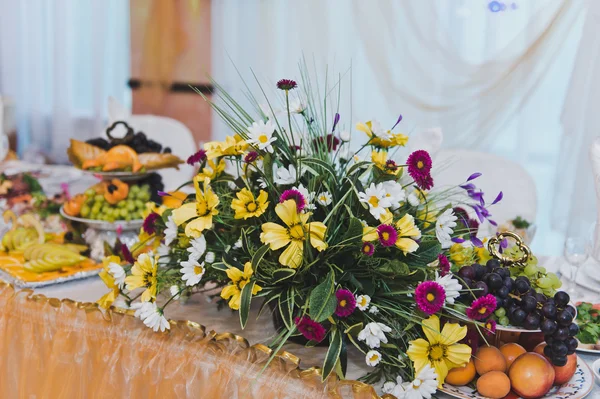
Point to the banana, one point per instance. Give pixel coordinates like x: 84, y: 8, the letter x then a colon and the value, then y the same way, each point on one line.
x: 50, y: 257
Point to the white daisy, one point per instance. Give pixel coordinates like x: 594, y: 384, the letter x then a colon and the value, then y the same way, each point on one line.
x: 444, y: 227
x: 395, y: 192
x: 451, y: 286
x: 163, y: 252
x: 175, y: 292
x: 197, y: 248
x: 363, y: 301
x: 413, y: 199
x: 192, y: 272
x: 345, y: 135
x: 260, y: 134
x: 170, y: 231
x: 210, y: 257
x: 324, y: 198
x: 394, y: 388
x: 284, y: 176
x: 118, y: 273
x: 423, y: 386
x: 297, y: 106
x: 373, y: 309
x: 373, y: 358
x: 152, y: 316
x: 261, y: 182
x: 373, y: 334
x: 375, y: 197
x: 238, y: 244
x: 379, y: 131
x: 309, y: 197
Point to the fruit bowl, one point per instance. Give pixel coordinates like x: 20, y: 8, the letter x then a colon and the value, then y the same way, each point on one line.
x: 118, y: 225
x: 124, y: 176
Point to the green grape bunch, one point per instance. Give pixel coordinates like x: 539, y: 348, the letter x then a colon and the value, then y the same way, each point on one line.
x: 542, y: 281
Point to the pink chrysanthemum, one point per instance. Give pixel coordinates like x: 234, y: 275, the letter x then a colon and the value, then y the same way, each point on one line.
x: 419, y: 168
x: 490, y: 327
x: 368, y: 248
x: 286, y: 84
x: 444, y: 264
x: 391, y: 166
x: 330, y: 141
x: 310, y: 329
x: 149, y: 223
x: 482, y: 308
x: 127, y: 256
x: 430, y: 297
x: 471, y: 339
x: 251, y: 157
x: 296, y: 196
x: 387, y: 235
x: 346, y: 303
x: 196, y: 158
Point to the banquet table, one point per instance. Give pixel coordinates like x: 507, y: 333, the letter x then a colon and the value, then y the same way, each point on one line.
x: 204, y: 356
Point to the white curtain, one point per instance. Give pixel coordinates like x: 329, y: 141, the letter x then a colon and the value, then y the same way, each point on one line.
x: 493, y: 81
x: 59, y: 62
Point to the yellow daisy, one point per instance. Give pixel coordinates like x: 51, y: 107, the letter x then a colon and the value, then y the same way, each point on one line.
x: 238, y: 280
x: 293, y: 234
x: 441, y: 349
x: 212, y: 170
x: 381, y: 162
x: 460, y: 255
x: 426, y: 216
x: 143, y: 274
x: 245, y: 206
x: 233, y: 145
x: 107, y: 299
x: 408, y: 232
x: 199, y: 214
x: 383, y: 138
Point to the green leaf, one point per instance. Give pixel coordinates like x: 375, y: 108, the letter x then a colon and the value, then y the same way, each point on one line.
x: 286, y: 308
x: 357, y: 166
x: 322, y: 301
x: 220, y: 266
x: 245, y: 300
x: 230, y: 262
x: 282, y: 274
x: 394, y: 268
x: 258, y: 256
x: 333, y: 353
x: 270, y: 299
x: 355, y: 231
x: 322, y: 164
x: 428, y: 252
x: 354, y: 329
x: 268, y: 166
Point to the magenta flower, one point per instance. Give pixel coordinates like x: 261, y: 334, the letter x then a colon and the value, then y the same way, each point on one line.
x: 430, y: 297
x: 419, y: 168
x: 296, y: 196
x: 127, y: 256
x: 444, y: 264
x: 490, y: 327
x: 286, y: 84
x: 330, y: 140
x: 346, y: 303
x: 196, y: 158
x: 391, y: 166
x: 368, y: 248
x: 482, y: 308
x: 471, y: 339
x: 251, y: 157
x: 310, y: 329
x: 149, y: 223
x: 387, y: 235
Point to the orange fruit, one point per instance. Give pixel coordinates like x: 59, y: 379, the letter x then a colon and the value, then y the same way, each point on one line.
x: 489, y: 358
x: 493, y: 385
x: 461, y: 375
x: 511, y: 352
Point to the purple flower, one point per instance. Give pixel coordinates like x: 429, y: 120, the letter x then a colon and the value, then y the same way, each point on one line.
x: 251, y: 157
x: 196, y: 158
x: 430, y: 297
x: 498, y: 198
x: 346, y: 303
x: 490, y: 327
x: 476, y: 241
x: 296, y: 196
x: 149, y: 223
x: 474, y: 176
x: 444, y: 265
x: 368, y: 248
x: 419, y: 165
x: 457, y: 240
x: 162, y: 194
x: 398, y: 121
x: 286, y: 84
x: 127, y: 256
x: 387, y: 235
x: 391, y: 166
x: 482, y: 308
x: 310, y: 329
x: 468, y: 187
x: 336, y: 119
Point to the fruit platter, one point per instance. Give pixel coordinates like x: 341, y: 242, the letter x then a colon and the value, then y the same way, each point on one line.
x: 130, y: 157
x: 588, y: 319
x: 32, y: 257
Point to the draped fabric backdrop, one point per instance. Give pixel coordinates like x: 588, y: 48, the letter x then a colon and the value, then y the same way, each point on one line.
x: 60, y: 60
x: 493, y: 81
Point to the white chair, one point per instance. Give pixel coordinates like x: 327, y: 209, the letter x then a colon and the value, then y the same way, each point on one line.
x: 595, y: 158
x: 166, y: 131
x: 453, y: 167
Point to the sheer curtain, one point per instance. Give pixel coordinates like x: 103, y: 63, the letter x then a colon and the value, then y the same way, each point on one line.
x: 59, y: 62
x: 494, y: 81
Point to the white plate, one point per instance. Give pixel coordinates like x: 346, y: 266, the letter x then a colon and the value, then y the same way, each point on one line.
x: 592, y: 271
x: 596, y: 370
x: 104, y: 225
x: 578, y: 387
x: 590, y: 351
x: 123, y: 176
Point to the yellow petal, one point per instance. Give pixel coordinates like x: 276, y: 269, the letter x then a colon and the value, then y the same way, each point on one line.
x: 406, y: 245
x: 134, y: 281
x: 441, y: 369
x: 452, y: 333
x: 107, y: 278
x: 234, y: 302
x: 292, y: 256
x: 248, y: 270
x: 274, y: 235
x: 198, y: 225
x: 364, y: 127
x: 418, y: 352
x: 256, y: 289
x: 107, y: 299
x: 287, y: 212
x: 234, y: 274
x: 184, y: 213
x: 458, y: 354
x: 316, y: 231
x: 407, y: 228
x: 431, y: 328
x: 228, y: 291
x: 370, y: 234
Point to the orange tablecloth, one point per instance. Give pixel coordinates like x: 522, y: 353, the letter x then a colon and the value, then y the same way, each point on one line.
x: 53, y: 348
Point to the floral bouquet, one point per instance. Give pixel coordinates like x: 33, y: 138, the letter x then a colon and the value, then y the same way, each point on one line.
x: 338, y: 233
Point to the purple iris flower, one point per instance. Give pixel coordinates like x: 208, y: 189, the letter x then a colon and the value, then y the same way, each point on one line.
x: 474, y: 176
x: 398, y: 121
x: 498, y: 198
x: 336, y: 119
